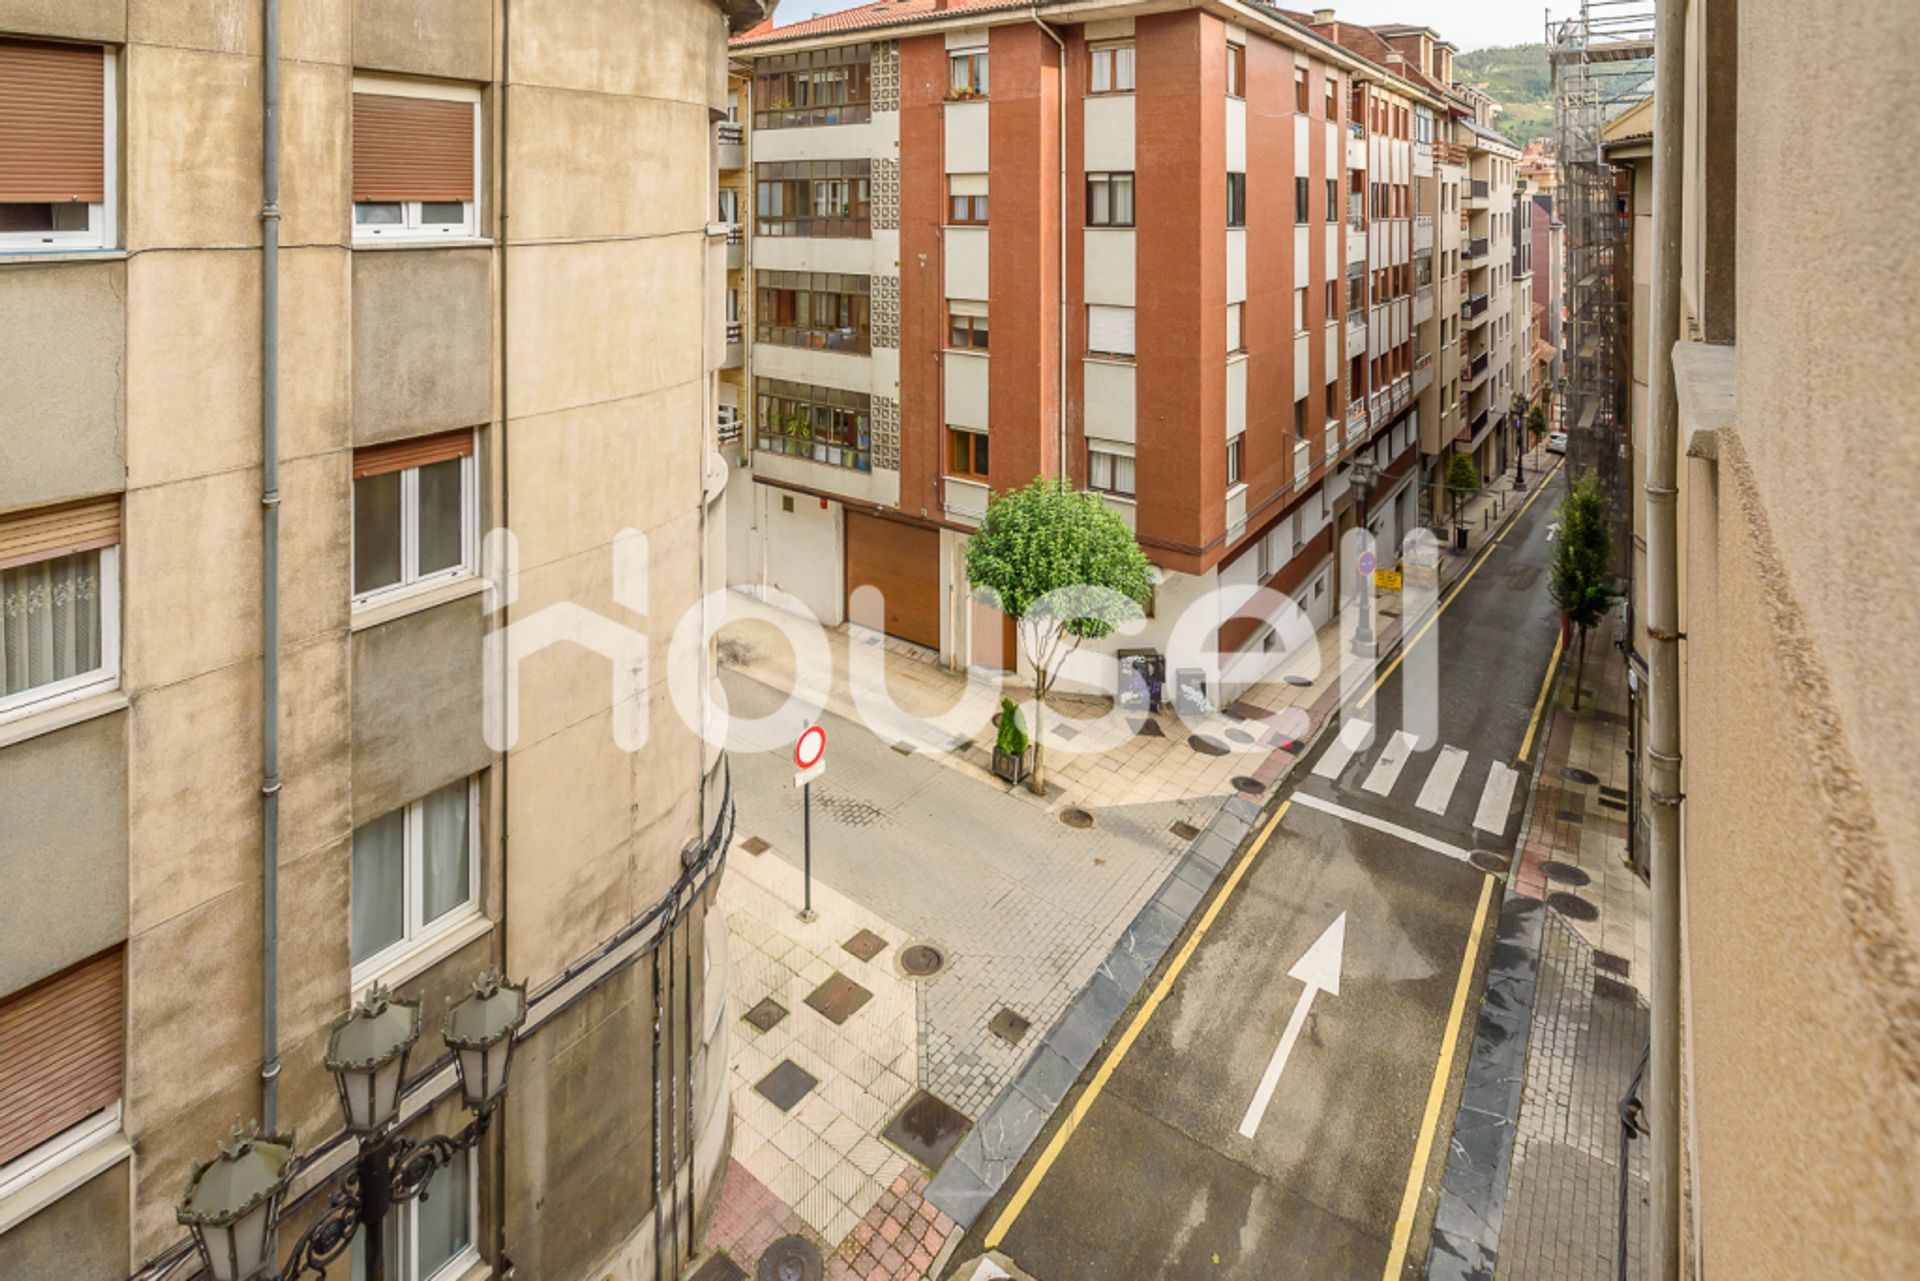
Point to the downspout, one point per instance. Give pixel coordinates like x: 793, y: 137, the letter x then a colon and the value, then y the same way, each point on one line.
x: 501, y: 1264
x: 270, y: 567
x: 1663, y: 633
x: 1061, y: 85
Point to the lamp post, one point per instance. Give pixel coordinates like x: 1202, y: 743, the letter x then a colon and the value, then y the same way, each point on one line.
x: 232, y: 1204
x: 1519, y: 442
x: 1361, y: 471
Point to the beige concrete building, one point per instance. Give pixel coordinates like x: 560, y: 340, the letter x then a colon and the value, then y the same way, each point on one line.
x: 501, y: 290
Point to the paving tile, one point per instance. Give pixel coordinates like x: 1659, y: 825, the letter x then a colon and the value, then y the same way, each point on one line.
x: 786, y: 1085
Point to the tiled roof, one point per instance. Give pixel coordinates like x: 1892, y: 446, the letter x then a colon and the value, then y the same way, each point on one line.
x: 1371, y: 45
x: 882, y: 13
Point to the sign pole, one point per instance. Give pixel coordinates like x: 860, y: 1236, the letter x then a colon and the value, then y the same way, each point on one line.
x: 806, y: 850
x: 810, y: 761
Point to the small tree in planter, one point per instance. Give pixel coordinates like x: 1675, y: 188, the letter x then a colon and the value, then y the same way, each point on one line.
x: 1463, y: 482
x: 1064, y: 565
x: 1578, y: 579
x: 1010, y: 748
x: 1537, y: 422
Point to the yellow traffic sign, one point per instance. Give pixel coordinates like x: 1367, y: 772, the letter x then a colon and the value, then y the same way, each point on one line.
x: 1387, y: 580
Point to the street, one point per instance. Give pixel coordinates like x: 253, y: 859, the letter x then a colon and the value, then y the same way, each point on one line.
x: 1149, y: 1170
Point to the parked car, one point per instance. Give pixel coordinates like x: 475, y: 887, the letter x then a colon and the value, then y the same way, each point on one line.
x: 1557, y: 443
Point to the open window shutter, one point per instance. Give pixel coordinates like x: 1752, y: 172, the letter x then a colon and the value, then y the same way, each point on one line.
x: 52, y: 122
x: 418, y: 452
x: 46, y: 532
x: 412, y: 148
x: 61, y: 1046
x: 1110, y: 329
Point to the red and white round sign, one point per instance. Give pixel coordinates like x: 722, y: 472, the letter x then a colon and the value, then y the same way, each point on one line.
x: 811, y: 747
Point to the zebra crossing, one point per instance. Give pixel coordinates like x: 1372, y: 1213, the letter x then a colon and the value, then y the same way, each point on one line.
x: 1492, y: 810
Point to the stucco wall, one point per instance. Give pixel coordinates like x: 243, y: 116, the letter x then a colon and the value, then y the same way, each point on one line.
x: 64, y: 429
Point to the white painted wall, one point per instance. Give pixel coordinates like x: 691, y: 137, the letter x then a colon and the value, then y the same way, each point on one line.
x: 1236, y: 395
x: 966, y: 137
x: 966, y: 262
x: 1236, y: 264
x: 1110, y: 399
x: 1109, y: 266
x: 1108, y: 141
x: 803, y: 550
x: 1236, y: 135
x: 965, y: 375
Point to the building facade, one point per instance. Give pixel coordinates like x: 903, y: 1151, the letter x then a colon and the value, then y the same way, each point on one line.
x: 254, y: 611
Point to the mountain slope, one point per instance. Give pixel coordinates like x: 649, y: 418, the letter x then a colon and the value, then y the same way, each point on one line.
x: 1516, y: 77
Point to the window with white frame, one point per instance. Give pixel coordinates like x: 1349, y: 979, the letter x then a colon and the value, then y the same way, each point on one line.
x: 416, y: 152
x: 415, y: 514
x: 57, y: 147
x: 416, y: 874
x: 59, y: 604
x: 1110, y: 472
x: 1236, y: 339
x: 431, y: 1237
x: 1109, y: 330
x: 1235, y: 456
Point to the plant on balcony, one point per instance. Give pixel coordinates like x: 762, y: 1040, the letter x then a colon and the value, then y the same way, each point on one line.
x: 1011, y: 746
x: 1065, y: 566
x: 1578, y: 578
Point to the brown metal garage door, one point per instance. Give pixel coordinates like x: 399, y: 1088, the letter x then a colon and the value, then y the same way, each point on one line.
x: 903, y: 562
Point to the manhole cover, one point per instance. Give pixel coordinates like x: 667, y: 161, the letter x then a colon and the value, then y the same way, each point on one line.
x: 1300, y: 681
x: 838, y: 998
x: 1183, y: 829
x: 766, y: 1014
x: 786, y: 1085
x: 922, y: 960
x: 1150, y: 729
x: 866, y: 945
x: 847, y: 810
x: 754, y: 846
x: 1570, y: 816
x: 1488, y: 861
x: 790, y: 1259
x: 1251, y: 786
x: 1008, y: 1026
x: 1206, y: 746
x: 1579, y: 775
x: 1065, y: 731
x: 1564, y: 873
x: 1573, y: 907
x: 927, y: 1129
x: 1239, y: 736
x: 1074, y: 816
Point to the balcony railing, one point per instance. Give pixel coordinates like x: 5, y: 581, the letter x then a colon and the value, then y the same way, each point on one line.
x: 735, y: 236
x: 729, y: 424
x: 730, y: 134
x: 1478, y: 248
x: 1478, y: 189
x: 1477, y: 366
x: 733, y: 332
x: 1474, y: 306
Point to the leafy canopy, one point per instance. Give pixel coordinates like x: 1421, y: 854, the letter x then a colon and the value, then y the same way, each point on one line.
x: 1067, y: 551
x: 1579, y: 580
x: 1463, y: 475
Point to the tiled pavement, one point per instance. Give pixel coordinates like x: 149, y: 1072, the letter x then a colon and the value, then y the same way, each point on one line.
x: 897, y: 1239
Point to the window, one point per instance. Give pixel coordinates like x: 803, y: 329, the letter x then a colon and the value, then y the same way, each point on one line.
x: 824, y: 424
x: 1333, y: 399
x: 1333, y: 300
x: 1233, y: 461
x: 1236, y: 200
x: 58, y: 153
x: 416, y: 148
x: 967, y: 453
x: 819, y: 87
x: 967, y: 74
x: 967, y: 332
x: 430, y: 1238
x: 1299, y: 308
x: 1300, y: 187
x: 416, y: 872
x: 1300, y: 90
x: 1110, y: 330
x: 1300, y: 419
x: 1333, y: 98
x: 61, y: 1050
x: 1236, y: 70
x: 967, y: 199
x: 59, y: 604
x: 1110, y: 69
x: 827, y: 198
x: 1110, y: 200
x: 1236, y: 339
x: 415, y: 513
x: 824, y: 311
x: 1110, y: 473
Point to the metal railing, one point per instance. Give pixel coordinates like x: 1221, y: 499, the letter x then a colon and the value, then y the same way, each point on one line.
x: 1478, y: 248
x: 1478, y: 189
x: 730, y: 133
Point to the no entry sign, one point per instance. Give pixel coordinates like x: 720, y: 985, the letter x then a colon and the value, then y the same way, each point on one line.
x: 810, y: 755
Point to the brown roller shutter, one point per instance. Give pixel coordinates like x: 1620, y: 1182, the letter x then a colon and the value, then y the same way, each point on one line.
x: 46, y: 532
x: 418, y: 452
x: 412, y: 148
x: 52, y: 122
x: 61, y: 1046
x: 903, y: 561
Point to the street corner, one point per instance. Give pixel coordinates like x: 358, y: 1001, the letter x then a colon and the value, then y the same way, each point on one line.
x: 899, y: 1236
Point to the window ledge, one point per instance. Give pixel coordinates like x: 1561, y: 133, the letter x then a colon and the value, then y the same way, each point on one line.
x: 375, y: 613
x: 1099, y: 358
x: 1704, y: 378
x: 451, y: 242
x: 40, y: 257
x: 432, y: 950
x: 76, y: 1168
x: 85, y: 708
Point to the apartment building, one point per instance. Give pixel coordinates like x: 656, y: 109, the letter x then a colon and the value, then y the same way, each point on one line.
x: 1172, y: 255
x: 252, y: 611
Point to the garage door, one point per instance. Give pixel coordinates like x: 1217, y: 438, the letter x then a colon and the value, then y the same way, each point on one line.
x: 903, y: 561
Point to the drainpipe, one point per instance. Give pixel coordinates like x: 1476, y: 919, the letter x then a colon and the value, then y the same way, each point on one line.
x: 501, y: 1264
x: 1663, y: 633
x: 270, y: 567
x: 1062, y: 109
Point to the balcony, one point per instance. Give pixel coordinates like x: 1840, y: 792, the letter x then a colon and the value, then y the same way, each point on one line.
x: 736, y: 347
x: 736, y: 247
x: 1356, y: 421
x: 1477, y: 250
x: 728, y: 426
x: 1477, y: 196
x: 1356, y: 333
x: 732, y: 141
x: 1356, y: 148
x: 1423, y: 304
x: 1476, y: 371
x: 1473, y: 310
x: 1422, y: 373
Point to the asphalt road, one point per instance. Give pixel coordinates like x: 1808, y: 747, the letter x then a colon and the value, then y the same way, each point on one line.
x: 1157, y: 1179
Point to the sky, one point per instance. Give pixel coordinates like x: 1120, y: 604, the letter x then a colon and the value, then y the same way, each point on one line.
x: 1470, y: 24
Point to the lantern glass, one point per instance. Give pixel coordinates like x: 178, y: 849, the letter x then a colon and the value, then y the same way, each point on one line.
x: 239, y: 1251
x: 386, y: 1089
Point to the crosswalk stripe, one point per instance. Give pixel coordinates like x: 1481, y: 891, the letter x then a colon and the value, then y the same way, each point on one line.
x: 1437, y: 791
x: 1308, y: 800
x: 1386, y: 770
x: 1352, y: 736
x: 1496, y: 800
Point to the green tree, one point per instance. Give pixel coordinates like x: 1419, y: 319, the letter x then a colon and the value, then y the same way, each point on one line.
x: 1537, y: 421
x: 1066, y: 567
x: 1578, y: 580
x: 1463, y: 481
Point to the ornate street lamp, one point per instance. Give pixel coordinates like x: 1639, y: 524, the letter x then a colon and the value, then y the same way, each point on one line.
x: 1519, y: 441
x: 233, y: 1204
x: 1361, y: 472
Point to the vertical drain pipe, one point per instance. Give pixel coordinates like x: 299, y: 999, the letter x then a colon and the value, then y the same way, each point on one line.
x: 270, y: 567
x: 1061, y: 108
x: 502, y: 1266
x: 1663, y: 630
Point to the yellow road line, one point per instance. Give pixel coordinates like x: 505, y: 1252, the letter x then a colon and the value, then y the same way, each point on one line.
x: 1458, y: 584
x: 1540, y: 703
x: 1100, y: 1078
x: 1437, y: 1092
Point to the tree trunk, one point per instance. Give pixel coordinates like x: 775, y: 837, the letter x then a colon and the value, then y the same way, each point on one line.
x: 1037, y: 780
x: 1579, y: 663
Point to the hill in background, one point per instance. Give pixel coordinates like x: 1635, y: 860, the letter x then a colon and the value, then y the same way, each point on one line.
x: 1516, y: 77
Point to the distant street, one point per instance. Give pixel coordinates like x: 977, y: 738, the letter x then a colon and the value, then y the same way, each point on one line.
x: 1160, y: 1178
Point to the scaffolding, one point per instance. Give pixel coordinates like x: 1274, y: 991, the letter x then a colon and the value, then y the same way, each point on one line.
x: 1602, y: 64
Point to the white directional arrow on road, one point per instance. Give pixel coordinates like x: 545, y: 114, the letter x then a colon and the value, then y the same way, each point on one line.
x: 1319, y: 971
x: 1552, y: 529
